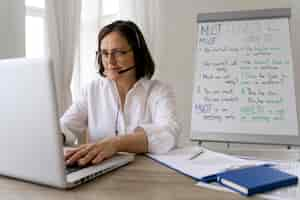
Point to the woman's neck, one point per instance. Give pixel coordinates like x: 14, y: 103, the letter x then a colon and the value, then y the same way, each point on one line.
x: 123, y: 87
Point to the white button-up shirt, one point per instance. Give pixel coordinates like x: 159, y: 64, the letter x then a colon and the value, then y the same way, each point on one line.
x: 149, y: 104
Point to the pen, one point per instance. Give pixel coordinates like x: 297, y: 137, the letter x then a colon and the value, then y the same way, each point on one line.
x: 196, y: 155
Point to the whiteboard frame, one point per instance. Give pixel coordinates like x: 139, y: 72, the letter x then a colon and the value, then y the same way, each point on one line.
x: 244, y: 15
x: 239, y: 137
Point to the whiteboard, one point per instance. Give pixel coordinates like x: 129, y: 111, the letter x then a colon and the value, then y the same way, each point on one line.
x: 244, y: 82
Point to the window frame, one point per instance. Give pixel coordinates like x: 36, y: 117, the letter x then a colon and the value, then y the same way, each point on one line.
x: 33, y: 11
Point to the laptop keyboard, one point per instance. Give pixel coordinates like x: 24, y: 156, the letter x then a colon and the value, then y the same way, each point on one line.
x: 73, y: 168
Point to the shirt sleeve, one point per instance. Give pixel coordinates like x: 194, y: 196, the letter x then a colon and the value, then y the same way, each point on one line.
x: 74, y: 121
x: 163, y: 132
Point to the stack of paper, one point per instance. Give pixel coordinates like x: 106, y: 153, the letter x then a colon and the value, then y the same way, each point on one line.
x: 200, y: 163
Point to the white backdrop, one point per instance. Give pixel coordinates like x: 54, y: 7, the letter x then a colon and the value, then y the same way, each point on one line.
x: 178, y: 29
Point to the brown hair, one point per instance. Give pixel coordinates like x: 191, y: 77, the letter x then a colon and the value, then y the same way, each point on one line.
x: 144, y: 63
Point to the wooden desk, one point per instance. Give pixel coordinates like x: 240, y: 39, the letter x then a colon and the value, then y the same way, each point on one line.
x: 142, y: 180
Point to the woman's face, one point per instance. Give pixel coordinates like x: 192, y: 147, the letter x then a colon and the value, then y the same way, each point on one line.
x: 117, y: 56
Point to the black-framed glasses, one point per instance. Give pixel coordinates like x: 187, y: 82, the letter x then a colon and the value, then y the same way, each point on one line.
x: 116, y: 54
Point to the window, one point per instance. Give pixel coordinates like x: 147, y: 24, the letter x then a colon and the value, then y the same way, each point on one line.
x: 110, y: 7
x: 109, y: 11
x: 94, y: 15
x: 35, y: 28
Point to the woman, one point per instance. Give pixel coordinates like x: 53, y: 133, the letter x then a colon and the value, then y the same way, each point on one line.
x: 124, y: 111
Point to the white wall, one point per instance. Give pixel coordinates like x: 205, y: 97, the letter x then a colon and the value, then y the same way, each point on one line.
x: 178, y: 37
x: 12, y: 28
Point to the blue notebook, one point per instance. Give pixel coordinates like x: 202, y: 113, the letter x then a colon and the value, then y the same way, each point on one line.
x: 257, y: 179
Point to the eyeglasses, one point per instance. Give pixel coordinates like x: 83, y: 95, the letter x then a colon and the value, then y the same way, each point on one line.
x: 116, y: 54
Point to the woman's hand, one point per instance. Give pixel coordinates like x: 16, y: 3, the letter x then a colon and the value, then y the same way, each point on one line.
x: 93, y: 153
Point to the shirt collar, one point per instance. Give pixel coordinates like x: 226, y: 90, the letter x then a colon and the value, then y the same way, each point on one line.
x: 142, y: 82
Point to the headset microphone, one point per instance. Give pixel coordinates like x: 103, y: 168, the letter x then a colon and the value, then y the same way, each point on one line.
x: 126, y: 70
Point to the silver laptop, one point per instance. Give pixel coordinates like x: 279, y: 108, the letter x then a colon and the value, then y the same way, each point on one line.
x: 30, y: 140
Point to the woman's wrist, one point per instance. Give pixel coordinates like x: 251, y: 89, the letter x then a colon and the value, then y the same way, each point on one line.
x: 116, y: 141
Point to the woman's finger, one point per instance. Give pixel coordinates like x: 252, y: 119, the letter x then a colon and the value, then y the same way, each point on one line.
x: 79, y: 154
x: 68, y: 153
x: 99, y: 158
x: 88, y: 157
